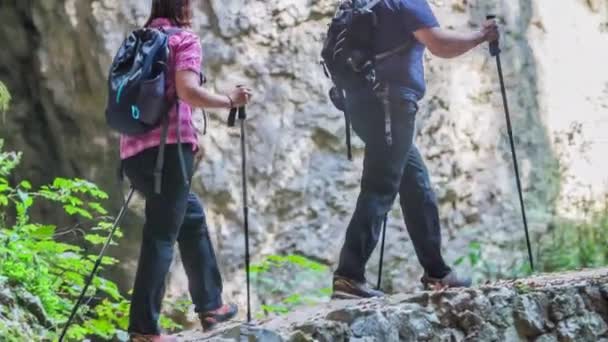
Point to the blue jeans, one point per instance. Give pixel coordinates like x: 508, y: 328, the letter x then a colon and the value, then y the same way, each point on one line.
x: 174, y: 215
x: 388, y: 171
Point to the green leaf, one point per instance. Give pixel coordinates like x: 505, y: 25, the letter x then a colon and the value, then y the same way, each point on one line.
x: 44, y: 232
x: 77, y: 333
x: 326, y: 291
x: 168, y: 324
x: 72, y: 211
x: 60, y: 183
x: 277, y: 309
x: 98, y: 208
x: 55, y: 247
x: 25, y: 185
x: 459, y: 261
x: 95, y: 239
x: 110, y: 288
x: 106, y: 260
x: 293, y: 299
x: 102, y: 328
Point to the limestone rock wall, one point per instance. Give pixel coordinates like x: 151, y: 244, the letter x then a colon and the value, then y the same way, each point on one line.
x: 55, y: 55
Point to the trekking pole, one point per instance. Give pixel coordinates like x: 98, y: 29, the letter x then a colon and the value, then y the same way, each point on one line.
x: 382, y: 252
x: 495, y: 51
x: 242, y: 115
x: 121, y: 214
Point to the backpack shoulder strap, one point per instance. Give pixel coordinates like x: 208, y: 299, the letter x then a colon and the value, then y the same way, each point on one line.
x: 394, y: 51
x: 172, y: 31
x: 370, y: 5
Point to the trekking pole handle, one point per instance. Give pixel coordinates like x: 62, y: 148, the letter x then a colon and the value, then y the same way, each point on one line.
x: 232, y: 117
x: 242, y: 115
x: 494, y: 47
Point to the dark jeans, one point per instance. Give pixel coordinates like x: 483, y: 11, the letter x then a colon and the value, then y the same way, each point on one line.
x: 388, y: 171
x: 176, y: 214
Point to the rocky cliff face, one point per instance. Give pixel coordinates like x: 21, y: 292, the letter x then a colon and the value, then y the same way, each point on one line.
x: 567, y: 307
x: 56, y: 53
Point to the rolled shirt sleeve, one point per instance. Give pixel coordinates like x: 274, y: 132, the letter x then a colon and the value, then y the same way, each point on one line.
x: 189, y: 54
x: 417, y: 14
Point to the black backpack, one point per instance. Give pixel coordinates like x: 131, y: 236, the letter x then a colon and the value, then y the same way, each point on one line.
x: 348, y: 55
x: 137, y: 99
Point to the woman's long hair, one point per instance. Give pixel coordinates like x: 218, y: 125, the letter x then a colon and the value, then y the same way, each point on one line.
x: 179, y: 12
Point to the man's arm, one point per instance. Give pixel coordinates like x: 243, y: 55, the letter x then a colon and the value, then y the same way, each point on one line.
x: 449, y: 44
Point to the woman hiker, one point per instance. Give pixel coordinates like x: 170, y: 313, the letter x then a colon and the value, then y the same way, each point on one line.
x: 176, y: 214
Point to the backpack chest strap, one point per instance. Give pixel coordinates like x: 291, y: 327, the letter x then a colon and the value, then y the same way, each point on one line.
x: 384, y: 55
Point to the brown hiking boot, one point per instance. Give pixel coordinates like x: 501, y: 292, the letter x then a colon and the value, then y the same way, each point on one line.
x: 225, y: 313
x: 345, y: 288
x: 152, y: 338
x: 452, y: 279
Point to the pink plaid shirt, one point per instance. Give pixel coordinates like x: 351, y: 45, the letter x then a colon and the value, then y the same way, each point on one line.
x: 185, y: 54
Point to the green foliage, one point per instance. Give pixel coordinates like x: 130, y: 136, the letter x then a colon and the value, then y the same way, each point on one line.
x: 49, y: 263
x: 287, y: 282
x: 569, y: 244
x: 580, y: 242
x: 485, y: 269
x: 574, y: 244
x: 32, y: 257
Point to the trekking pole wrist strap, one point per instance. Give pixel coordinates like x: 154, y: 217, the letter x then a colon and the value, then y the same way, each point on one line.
x: 231, y: 103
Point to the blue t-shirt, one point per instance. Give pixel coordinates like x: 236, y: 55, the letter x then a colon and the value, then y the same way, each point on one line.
x: 397, y: 20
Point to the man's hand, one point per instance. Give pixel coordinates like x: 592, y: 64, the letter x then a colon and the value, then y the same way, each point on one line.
x: 449, y: 44
x: 489, y: 31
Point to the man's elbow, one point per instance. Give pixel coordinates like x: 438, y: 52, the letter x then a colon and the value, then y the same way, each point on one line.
x: 435, y: 50
x: 440, y: 50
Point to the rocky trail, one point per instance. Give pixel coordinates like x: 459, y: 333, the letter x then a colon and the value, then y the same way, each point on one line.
x: 544, y: 308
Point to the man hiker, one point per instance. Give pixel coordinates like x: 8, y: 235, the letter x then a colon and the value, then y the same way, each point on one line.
x: 396, y: 166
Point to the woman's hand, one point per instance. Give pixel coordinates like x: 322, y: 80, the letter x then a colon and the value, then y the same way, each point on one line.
x: 240, y: 96
x: 489, y: 30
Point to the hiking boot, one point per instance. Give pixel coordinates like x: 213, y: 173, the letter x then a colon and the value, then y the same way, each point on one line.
x: 225, y: 313
x: 345, y: 288
x: 452, y: 279
x: 152, y: 338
